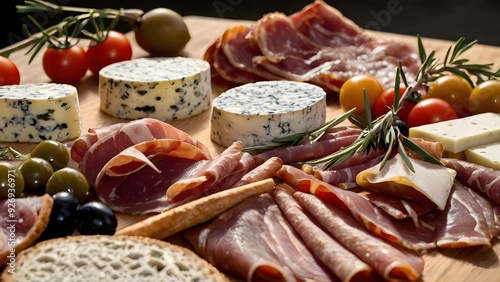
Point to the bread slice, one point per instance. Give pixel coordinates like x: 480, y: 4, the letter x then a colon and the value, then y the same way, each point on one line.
x: 110, y: 258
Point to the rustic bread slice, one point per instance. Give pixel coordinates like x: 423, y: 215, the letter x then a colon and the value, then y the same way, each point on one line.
x: 110, y: 258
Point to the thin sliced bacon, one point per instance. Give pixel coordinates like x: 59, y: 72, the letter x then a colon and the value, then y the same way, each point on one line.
x: 480, y: 178
x: 255, y: 242
x: 208, y: 175
x: 403, y: 232
x: 136, y: 180
x: 346, y: 265
x: 120, y: 137
x: 390, y: 262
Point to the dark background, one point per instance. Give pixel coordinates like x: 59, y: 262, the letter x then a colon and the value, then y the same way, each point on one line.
x: 445, y: 19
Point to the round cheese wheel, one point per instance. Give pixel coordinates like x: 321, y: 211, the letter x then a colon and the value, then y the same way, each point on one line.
x: 163, y: 88
x: 257, y: 113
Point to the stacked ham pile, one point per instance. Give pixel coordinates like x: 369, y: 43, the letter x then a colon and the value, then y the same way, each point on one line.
x: 306, y: 228
x: 316, y: 45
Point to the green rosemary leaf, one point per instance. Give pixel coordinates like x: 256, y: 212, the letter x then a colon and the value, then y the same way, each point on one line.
x: 397, y: 84
x: 404, y: 155
x: 456, y: 48
x: 461, y: 74
x: 466, y: 47
x: 447, y: 56
x: 421, y: 49
x: 419, y: 151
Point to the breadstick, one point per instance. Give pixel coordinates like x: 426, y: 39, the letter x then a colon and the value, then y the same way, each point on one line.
x: 177, y: 219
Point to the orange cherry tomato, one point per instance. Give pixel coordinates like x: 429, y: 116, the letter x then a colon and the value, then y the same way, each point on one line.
x: 453, y: 89
x: 351, y: 93
x: 485, y: 97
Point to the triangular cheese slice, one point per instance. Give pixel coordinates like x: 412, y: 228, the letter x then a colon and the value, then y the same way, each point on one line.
x: 430, y: 183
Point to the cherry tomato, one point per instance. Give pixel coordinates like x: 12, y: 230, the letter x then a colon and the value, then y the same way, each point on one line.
x: 431, y: 110
x: 453, y: 89
x: 387, y: 99
x: 9, y: 74
x: 485, y: 97
x: 65, y: 65
x: 115, y: 48
x: 351, y: 93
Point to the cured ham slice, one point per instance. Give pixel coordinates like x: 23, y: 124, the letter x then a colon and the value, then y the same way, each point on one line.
x: 136, y: 180
x: 255, y: 242
x: 345, y: 175
x: 317, y: 45
x: 265, y: 170
x: 391, y: 262
x: 463, y: 223
x: 480, y: 178
x: 107, y: 142
x: 307, y: 151
x: 402, y: 232
x: 207, y: 176
x: 346, y: 265
x: 22, y: 222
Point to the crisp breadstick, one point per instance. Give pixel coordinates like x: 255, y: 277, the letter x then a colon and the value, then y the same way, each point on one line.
x: 177, y: 219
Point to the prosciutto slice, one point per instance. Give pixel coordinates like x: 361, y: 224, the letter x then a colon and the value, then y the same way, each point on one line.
x: 346, y: 265
x: 480, y: 178
x: 392, y: 263
x: 255, y: 242
x: 93, y: 150
x: 402, y: 232
x: 136, y: 180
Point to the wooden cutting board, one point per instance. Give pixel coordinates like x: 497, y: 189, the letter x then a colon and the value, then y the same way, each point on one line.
x: 467, y: 264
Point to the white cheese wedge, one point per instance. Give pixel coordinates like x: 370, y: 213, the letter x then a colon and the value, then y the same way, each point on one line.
x: 487, y: 155
x: 257, y: 113
x: 429, y: 182
x: 36, y: 112
x: 461, y: 134
x: 163, y: 88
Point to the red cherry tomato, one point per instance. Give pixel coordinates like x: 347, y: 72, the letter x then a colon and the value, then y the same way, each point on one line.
x: 386, y: 99
x: 431, y: 110
x: 65, y: 65
x: 9, y: 74
x: 115, y: 48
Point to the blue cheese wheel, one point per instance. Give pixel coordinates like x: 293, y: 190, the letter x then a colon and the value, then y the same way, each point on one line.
x: 163, y: 88
x: 36, y: 112
x: 257, y: 113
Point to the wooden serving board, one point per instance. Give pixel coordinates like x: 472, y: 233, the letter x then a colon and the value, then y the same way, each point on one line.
x: 467, y: 264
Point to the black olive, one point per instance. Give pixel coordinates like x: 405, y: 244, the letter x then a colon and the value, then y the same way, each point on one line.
x: 63, y: 217
x: 96, y: 218
x: 403, y: 127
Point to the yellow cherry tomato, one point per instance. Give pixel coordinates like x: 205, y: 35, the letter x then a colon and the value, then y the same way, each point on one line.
x: 454, y: 90
x: 485, y: 97
x: 351, y: 93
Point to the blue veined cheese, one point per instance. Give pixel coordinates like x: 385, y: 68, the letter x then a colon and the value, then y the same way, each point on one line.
x: 36, y: 112
x: 257, y: 113
x: 163, y: 88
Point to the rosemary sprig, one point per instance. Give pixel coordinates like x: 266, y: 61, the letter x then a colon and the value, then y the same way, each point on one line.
x: 52, y: 35
x: 298, y: 138
x: 384, y: 131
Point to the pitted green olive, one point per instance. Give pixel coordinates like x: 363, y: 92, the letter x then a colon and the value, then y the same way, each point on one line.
x: 69, y: 180
x: 36, y: 172
x: 161, y: 32
x: 11, y: 181
x: 52, y: 151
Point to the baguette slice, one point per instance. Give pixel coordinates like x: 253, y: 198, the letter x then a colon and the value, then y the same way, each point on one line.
x: 110, y: 258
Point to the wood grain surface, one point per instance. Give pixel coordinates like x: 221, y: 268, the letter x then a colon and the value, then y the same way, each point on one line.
x: 467, y: 264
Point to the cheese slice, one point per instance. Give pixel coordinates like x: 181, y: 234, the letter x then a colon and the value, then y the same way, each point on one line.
x: 429, y: 182
x: 461, y: 134
x: 487, y: 155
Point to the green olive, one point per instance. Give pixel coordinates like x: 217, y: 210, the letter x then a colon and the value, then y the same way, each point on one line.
x: 36, y: 172
x: 161, y: 32
x: 11, y: 181
x: 52, y: 151
x: 68, y: 180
